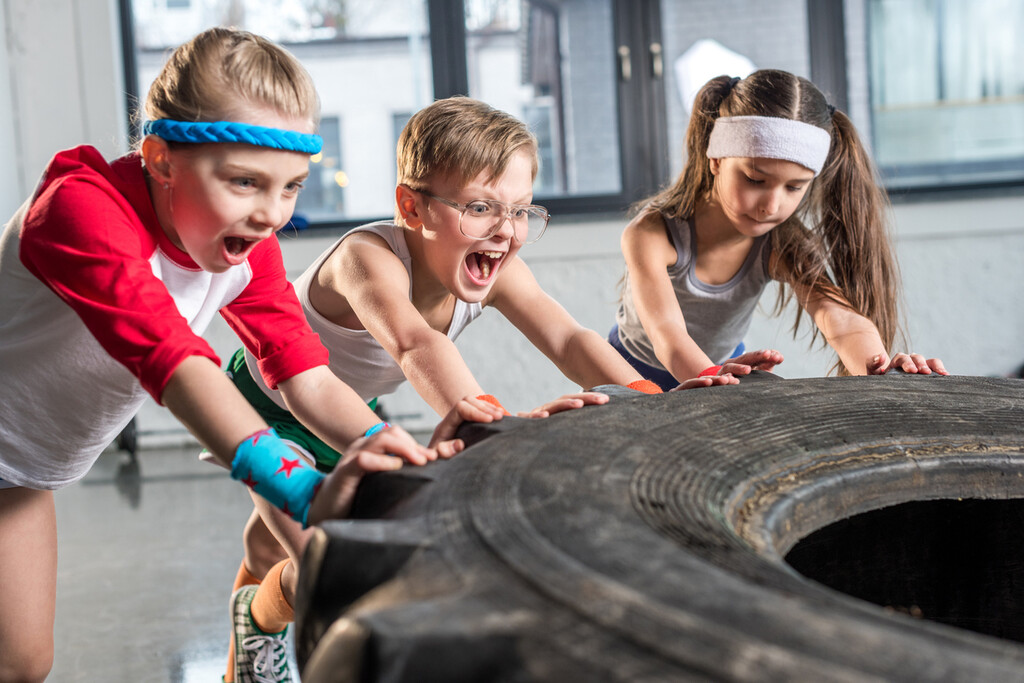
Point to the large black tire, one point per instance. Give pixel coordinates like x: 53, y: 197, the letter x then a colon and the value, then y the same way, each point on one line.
x: 645, y: 540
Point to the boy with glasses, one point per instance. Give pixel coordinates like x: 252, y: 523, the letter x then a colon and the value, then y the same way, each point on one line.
x: 388, y: 300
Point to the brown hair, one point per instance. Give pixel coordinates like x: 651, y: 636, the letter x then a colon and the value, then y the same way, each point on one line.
x: 221, y: 70
x: 461, y: 136
x: 837, y: 241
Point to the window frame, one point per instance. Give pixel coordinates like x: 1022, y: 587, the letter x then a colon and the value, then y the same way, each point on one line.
x: 830, y: 71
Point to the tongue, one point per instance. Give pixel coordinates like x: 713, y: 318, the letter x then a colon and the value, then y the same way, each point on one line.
x: 473, y: 265
x: 235, y: 245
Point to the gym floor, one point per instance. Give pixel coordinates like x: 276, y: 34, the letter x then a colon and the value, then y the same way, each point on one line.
x: 147, y: 553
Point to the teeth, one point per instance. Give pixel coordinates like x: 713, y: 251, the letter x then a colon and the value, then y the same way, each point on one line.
x: 485, y: 263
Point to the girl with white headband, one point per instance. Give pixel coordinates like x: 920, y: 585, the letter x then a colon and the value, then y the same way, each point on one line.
x: 776, y: 186
x: 109, y: 274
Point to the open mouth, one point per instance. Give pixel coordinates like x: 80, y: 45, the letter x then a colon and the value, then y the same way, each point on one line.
x: 237, y: 245
x: 482, y: 263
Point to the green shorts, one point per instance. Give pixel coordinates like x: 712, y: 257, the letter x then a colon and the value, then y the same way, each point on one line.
x: 283, y: 422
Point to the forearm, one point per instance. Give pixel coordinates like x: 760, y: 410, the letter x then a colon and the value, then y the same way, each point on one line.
x: 589, y: 360
x: 438, y: 373
x: 854, y: 338
x: 677, y: 351
x: 328, y: 407
x: 202, y: 397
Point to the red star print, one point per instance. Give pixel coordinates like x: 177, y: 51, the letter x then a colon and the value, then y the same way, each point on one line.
x: 288, y: 465
x: 285, y: 510
x: 249, y: 481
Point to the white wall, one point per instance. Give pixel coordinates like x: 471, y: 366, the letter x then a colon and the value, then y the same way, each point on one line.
x: 61, y: 85
x: 10, y: 185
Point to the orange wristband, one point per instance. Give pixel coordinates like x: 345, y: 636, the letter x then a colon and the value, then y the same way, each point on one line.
x: 644, y: 385
x: 710, y: 372
x: 493, y: 401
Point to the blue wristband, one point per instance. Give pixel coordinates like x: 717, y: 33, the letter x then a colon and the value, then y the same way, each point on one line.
x: 379, y: 427
x: 265, y: 464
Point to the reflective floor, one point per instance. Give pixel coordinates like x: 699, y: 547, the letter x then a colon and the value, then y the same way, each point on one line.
x: 147, y: 556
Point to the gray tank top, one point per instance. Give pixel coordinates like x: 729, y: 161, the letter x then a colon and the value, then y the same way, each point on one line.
x: 717, y: 316
x: 355, y: 356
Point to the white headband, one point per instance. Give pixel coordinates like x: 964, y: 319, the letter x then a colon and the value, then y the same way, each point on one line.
x: 769, y: 137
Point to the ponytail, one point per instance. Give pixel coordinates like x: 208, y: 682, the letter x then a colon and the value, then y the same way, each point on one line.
x: 847, y: 254
x: 680, y: 199
x: 853, y: 223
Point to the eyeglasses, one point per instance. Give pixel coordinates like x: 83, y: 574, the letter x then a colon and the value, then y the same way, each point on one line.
x: 481, y: 219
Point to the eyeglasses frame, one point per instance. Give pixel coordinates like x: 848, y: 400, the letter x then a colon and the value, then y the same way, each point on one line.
x: 461, y: 208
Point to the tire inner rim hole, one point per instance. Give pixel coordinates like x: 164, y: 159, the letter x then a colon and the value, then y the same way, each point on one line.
x: 957, y: 562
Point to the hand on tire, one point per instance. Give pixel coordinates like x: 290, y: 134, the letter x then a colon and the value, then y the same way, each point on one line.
x: 386, y: 450
x: 467, y: 409
x: 708, y: 381
x: 567, y: 402
x: 910, y: 363
x: 743, y: 364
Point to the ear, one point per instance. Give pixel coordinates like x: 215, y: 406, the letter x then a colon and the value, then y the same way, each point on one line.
x: 156, y: 155
x: 715, y: 165
x: 408, y: 202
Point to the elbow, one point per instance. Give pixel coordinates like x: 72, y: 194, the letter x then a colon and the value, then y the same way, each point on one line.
x: 408, y: 351
x: 580, y: 338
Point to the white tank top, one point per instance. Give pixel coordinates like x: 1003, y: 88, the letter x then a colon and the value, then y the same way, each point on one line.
x: 356, y: 357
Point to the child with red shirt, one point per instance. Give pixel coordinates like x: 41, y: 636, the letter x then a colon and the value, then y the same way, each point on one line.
x: 110, y: 273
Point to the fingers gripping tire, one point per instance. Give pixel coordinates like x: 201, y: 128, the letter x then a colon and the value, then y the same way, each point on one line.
x: 646, y: 540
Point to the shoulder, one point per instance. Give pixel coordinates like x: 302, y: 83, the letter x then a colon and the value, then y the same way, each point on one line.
x: 647, y: 235
x: 649, y: 224
x: 368, y: 239
x: 89, y: 208
x: 362, y: 258
x: 80, y: 187
x: 86, y: 165
x: 84, y: 159
x: 363, y: 247
x: 648, y: 220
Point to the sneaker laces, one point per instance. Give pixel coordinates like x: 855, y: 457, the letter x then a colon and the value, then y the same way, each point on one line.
x: 270, y: 659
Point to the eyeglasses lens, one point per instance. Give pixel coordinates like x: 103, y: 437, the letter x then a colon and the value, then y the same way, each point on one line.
x: 482, y: 219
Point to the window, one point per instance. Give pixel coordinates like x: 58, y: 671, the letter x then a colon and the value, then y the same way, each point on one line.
x: 516, y: 63
x: 323, y: 194
x: 949, y: 71
x: 556, y: 64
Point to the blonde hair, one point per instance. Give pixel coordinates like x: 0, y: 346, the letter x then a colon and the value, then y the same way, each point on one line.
x: 837, y: 242
x: 460, y: 136
x: 223, y: 70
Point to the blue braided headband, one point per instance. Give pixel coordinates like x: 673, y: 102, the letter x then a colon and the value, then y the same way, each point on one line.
x: 230, y: 131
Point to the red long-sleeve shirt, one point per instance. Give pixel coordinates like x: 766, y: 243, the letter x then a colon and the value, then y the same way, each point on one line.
x: 97, y: 307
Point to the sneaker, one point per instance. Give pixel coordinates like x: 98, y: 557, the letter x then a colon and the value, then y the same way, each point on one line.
x: 259, y: 657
